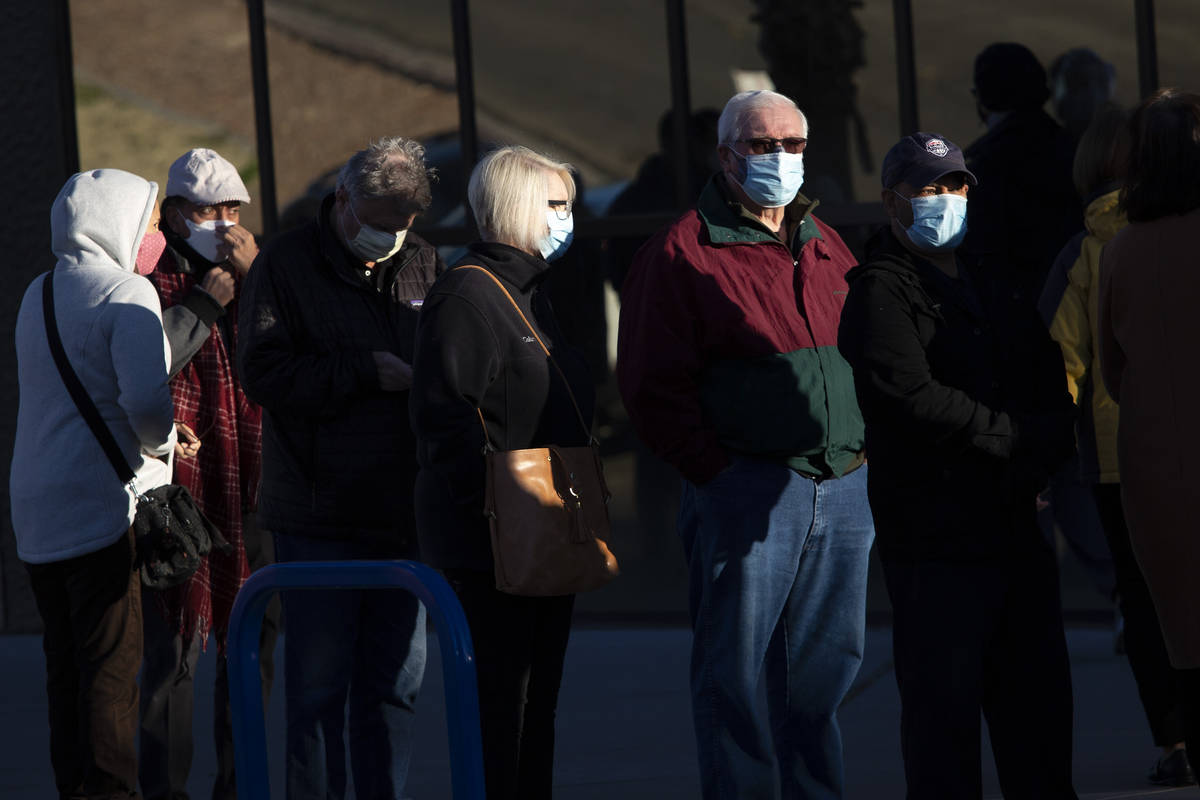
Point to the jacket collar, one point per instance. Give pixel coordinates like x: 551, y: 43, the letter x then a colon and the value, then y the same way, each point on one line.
x: 885, y: 252
x: 1019, y: 122
x: 1103, y: 216
x: 507, y: 263
x: 728, y: 222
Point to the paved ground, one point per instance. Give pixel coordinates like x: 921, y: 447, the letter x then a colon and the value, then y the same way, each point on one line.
x: 625, y: 728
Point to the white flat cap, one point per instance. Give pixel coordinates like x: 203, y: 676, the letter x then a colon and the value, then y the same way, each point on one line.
x: 205, y: 178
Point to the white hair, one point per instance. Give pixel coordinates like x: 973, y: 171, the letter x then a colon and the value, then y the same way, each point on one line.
x: 743, y: 104
x: 508, y: 195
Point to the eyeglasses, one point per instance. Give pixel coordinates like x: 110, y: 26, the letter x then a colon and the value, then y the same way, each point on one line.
x: 561, y: 208
x: 763, y: 145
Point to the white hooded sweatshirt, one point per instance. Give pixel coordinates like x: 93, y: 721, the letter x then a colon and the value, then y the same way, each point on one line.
x: 67, y: 500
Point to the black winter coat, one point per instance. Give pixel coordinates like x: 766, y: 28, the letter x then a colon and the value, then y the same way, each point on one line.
x: 964, y: 397
x: 473, y: 351
x: 339, y: 458
x: 1024, y: 208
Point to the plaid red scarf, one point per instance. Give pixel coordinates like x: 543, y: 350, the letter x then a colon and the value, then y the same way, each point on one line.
x: 223, y: 476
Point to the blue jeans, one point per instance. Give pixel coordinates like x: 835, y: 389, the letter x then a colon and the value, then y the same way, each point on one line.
x: 366, y: 648
x: 778, y: 595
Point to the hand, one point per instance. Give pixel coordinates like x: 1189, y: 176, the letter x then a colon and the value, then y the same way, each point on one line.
x: 219, y: 282
x: 394, y: 374
x: 238, y: 246
x: 187, y: 443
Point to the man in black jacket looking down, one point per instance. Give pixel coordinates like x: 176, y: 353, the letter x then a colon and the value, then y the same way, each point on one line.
x: 966, y: 413
x: 328, y: 322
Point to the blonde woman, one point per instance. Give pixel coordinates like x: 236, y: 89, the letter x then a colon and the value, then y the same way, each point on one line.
x: 477, y: 365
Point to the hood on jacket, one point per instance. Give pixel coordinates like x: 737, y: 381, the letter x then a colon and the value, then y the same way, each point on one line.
x: 99, y: 218
x: 1103, y: 217
x: 884, y: 252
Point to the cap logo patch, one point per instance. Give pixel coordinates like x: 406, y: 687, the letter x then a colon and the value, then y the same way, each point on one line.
x: 937, y: 147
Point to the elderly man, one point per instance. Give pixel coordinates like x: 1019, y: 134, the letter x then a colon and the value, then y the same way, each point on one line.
x: 203, y: 254
x: 967, y: 413
x: 728, y: 367
x: 328, y: 321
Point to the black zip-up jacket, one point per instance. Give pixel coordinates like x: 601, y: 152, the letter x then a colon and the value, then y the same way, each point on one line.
x: 965, y: 403
x: 473, y: 351
x: 1024, y: 208
x: 339, y: 458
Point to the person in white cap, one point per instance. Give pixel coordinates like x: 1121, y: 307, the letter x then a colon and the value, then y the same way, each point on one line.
x: 198, y: 277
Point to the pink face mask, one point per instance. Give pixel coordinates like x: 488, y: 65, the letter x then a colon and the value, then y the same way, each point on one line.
x: 151, y: 249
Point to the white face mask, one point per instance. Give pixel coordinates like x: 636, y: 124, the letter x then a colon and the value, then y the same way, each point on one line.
x: 372, y: 244
x: 203, y: 238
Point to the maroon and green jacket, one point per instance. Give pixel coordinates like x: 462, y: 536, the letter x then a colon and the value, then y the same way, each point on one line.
x: 728, y: 342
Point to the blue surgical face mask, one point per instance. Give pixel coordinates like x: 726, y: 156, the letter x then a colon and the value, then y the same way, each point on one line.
x: 939, y: 221
x: 559, y: 237
x: 372, y: 244
x: 771, y: 180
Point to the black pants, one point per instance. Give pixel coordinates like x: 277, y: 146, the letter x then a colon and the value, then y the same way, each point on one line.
x: 91, y: 610
x: 168, y: 690
x: 520, y: 644
x: 1158, y: 683
x: 982, y: 636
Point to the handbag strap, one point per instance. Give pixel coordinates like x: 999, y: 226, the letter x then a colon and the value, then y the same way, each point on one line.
x: 83, y: 401
x: 579, y: 414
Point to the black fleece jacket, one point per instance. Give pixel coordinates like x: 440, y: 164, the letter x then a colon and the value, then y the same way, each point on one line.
x: 965, y: 403
x: 339, y: 458
x: 474, y: 351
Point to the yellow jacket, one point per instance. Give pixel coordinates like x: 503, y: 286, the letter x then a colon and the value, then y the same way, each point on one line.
x: 1070, y: 302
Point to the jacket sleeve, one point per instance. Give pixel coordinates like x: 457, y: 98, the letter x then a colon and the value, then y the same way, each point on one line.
x: 1048, y: 432
x: 660, y: 363
x: 1112, y: 357
x: 140, y: 355
x: 1070, y: 318
x: 188, y: 324
x: 457, y: 358
x: 278, y: 370
x: 878, y: 336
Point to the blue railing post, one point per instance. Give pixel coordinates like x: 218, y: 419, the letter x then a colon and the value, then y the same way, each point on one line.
x: 454, y: 640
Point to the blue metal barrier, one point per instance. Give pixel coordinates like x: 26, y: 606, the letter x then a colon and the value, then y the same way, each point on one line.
x: 454, y: 640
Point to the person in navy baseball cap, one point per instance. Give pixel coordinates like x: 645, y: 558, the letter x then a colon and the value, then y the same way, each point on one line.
x: 966, y: 414
x: 920, y: 158
x: 925, y: 183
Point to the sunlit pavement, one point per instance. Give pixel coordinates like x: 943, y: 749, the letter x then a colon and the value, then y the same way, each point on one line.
x: 624, y: 728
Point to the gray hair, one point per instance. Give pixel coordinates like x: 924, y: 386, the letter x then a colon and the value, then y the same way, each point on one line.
x: 743, y: 104
x: 508, y: 195
x: 393, y: 168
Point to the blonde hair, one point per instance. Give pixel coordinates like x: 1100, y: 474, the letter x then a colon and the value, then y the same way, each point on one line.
x: 508, y: 195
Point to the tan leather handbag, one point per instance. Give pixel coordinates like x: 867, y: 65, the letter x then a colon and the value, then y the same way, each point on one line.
x: 547, y: 508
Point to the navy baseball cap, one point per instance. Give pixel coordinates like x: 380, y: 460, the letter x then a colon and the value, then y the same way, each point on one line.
x: 921, y: 158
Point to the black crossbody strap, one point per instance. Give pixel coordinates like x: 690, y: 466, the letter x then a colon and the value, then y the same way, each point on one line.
x: 83, y: 401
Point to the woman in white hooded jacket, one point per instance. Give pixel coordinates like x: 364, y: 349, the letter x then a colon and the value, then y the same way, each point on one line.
x: 71, y: 513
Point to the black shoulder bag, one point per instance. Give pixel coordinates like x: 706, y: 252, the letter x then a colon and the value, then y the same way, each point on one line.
x: 172, y: 535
